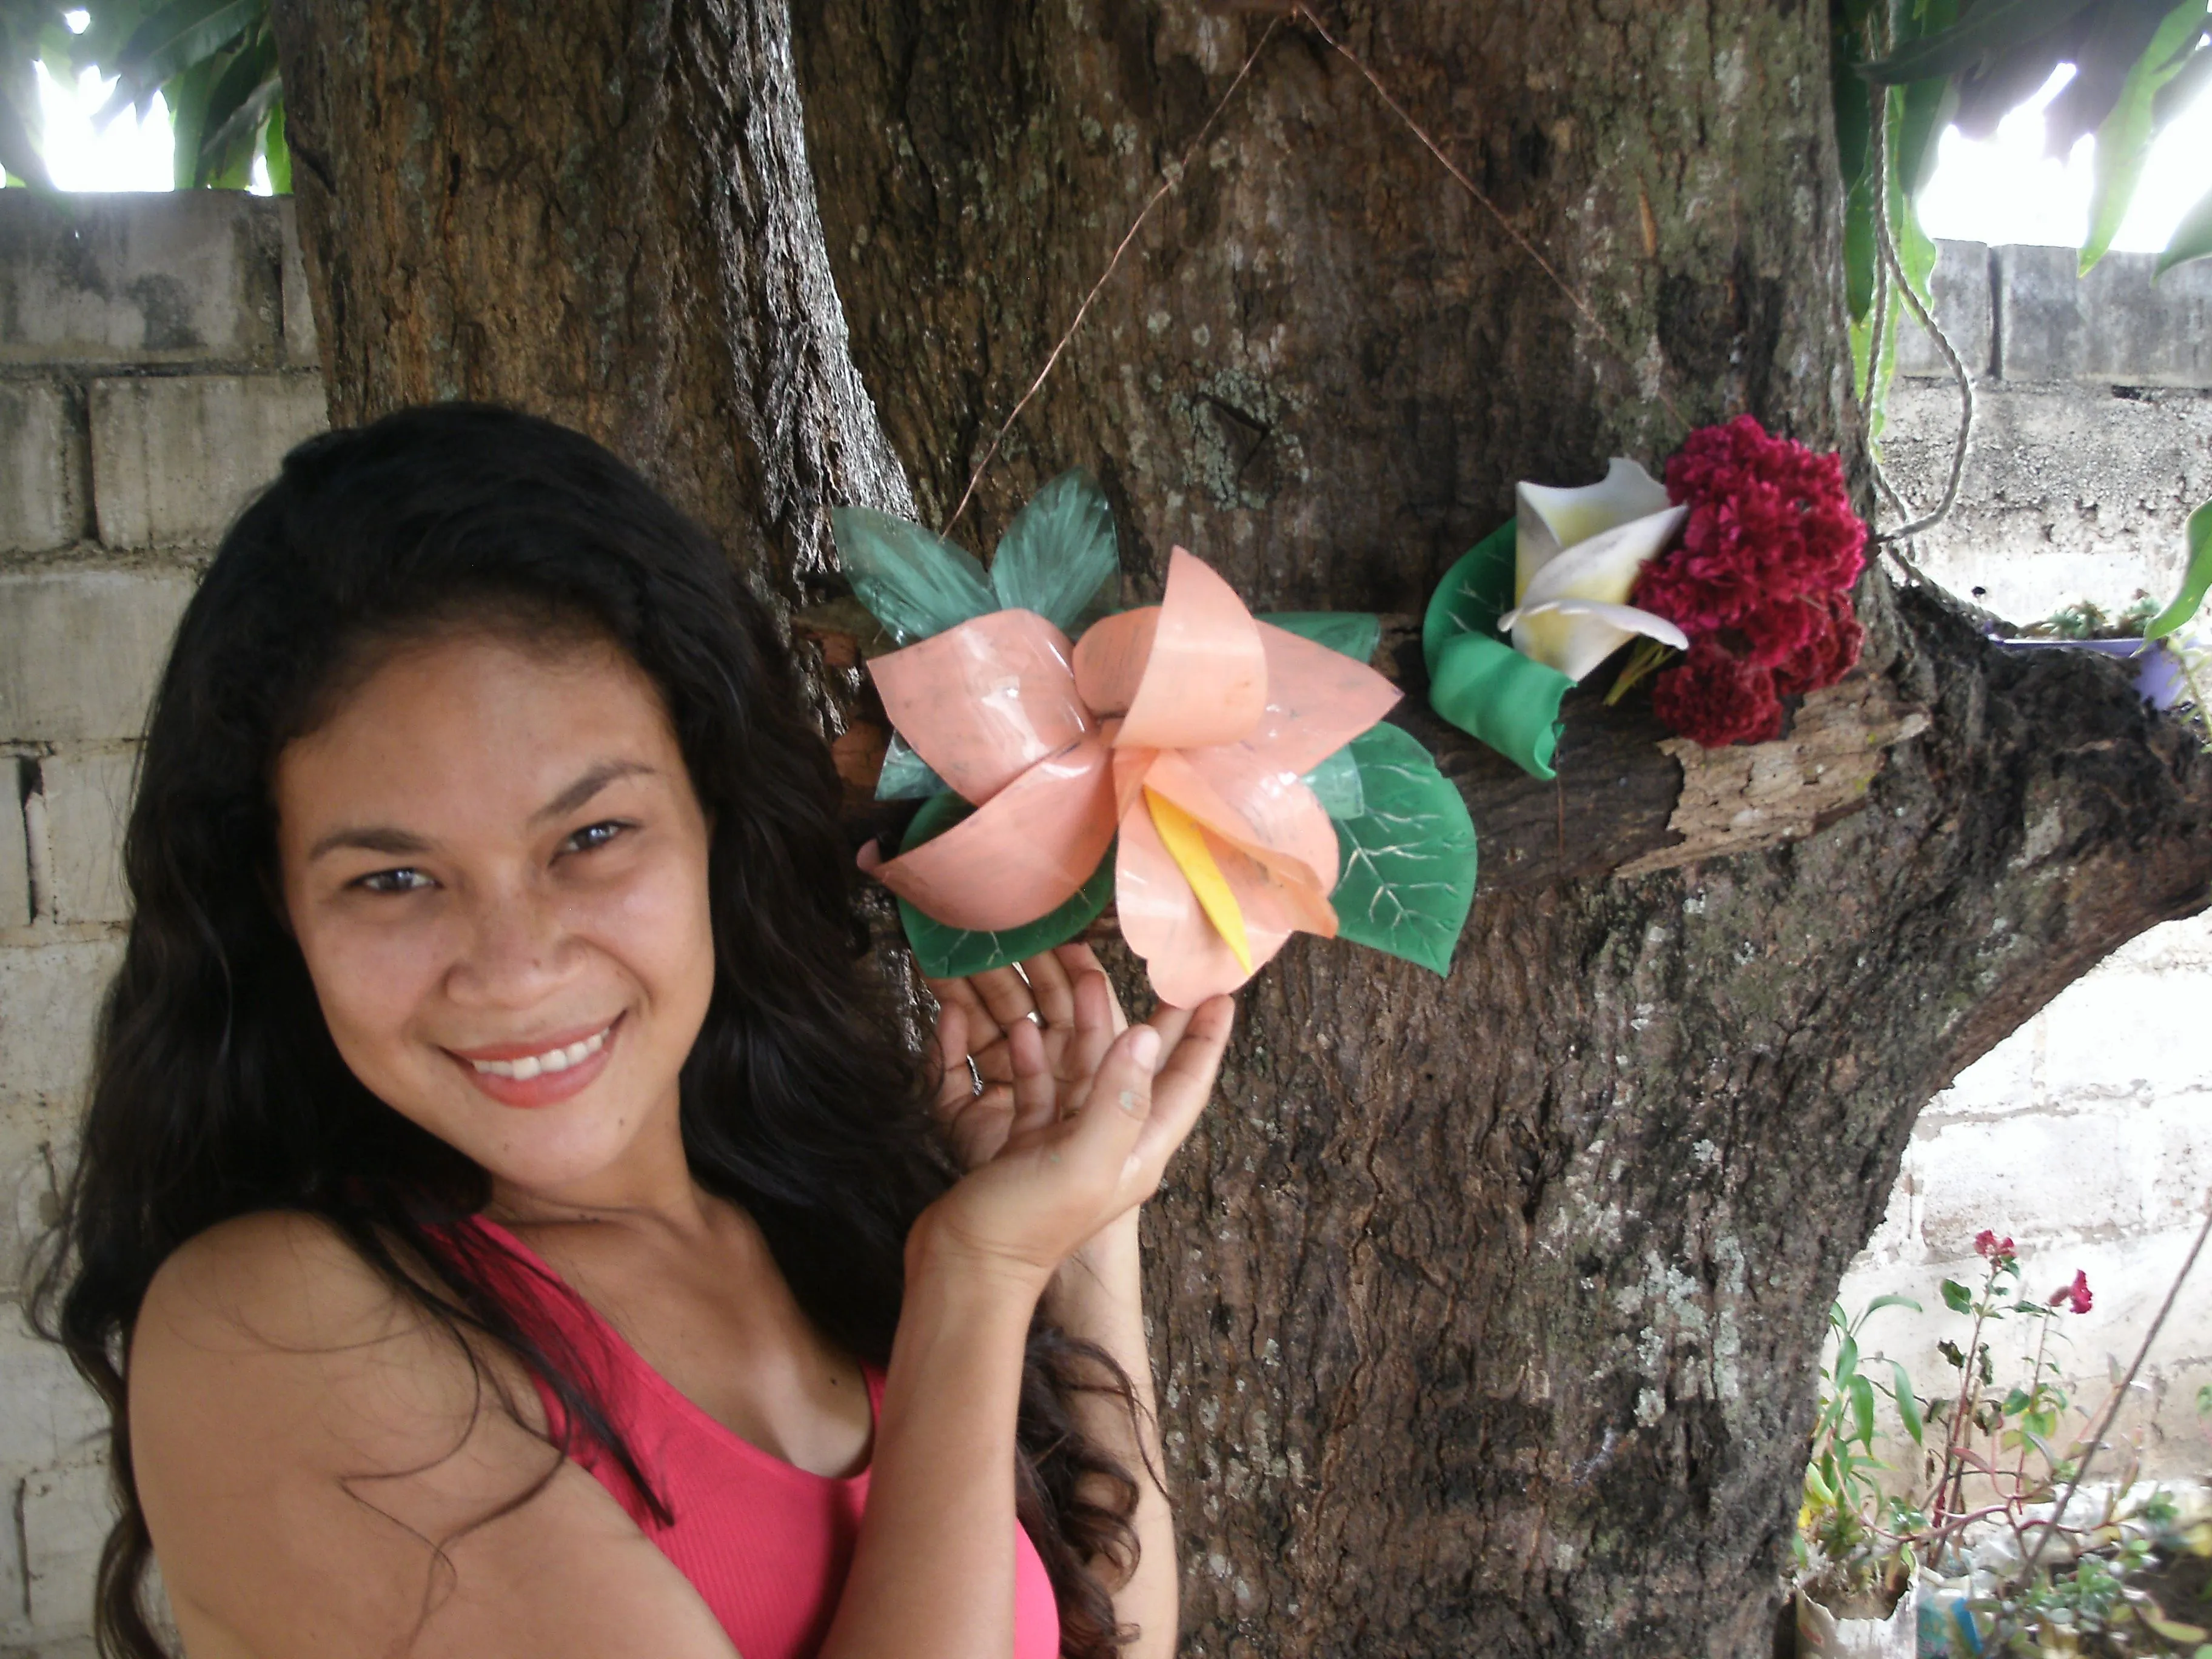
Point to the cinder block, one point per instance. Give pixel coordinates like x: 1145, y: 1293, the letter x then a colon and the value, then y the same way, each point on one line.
x: 2039, y: 1178
x: 2039, y: 314
x: 14, y: 849
x: 2137, y: 331
x: 36, y: 1141
x: 2069, y: 492
x: 2124, y: 1032
x: 43, y: 493
x: 1960, y: 289
x: 52, y: 1416
x: 174, y: 459
x: 302, y: 350
x: 81, y: 649
x: 162, y: 277
x: 67, y: 1512
x: 87, y: 799
x: 49, y: 1000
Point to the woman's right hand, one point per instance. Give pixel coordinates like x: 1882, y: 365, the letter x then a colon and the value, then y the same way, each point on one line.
x: 1058, y: 1180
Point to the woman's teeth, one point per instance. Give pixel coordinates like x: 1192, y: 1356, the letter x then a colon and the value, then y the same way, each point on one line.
x: 553, y: 1060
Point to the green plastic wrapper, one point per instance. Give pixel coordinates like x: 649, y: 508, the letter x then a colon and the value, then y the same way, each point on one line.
x: 1477, y: 681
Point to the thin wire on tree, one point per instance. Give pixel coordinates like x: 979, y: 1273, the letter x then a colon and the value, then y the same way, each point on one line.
x: 1168, y: 180
x: 1894, y: 268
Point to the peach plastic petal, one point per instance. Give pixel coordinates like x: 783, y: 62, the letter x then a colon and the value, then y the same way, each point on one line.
x: 1161, y: 920
x: 1130, y: 768
x: 985, y: 701
x: 1205, y: 681
x: 1020, y: 855
x: 1109, y: 659
x: 1284, y: 829
x: 1318, y: 701
x: 1185, y: 844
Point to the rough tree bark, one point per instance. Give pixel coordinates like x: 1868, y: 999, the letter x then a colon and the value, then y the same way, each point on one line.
x: 1488, y: 1308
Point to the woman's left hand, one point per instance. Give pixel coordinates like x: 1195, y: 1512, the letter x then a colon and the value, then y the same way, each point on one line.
x: 1067, y: 1002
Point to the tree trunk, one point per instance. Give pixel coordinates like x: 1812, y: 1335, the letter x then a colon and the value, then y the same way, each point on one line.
x: 1488, y: 1308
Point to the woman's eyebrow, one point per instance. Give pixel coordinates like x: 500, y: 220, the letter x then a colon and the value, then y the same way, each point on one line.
x: 403, y: 843
x: 598, y: 778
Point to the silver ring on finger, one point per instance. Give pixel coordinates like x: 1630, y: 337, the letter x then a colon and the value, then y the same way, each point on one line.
x: 975, y: 1078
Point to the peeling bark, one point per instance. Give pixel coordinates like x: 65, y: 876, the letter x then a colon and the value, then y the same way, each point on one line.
x: 1488, y: 1308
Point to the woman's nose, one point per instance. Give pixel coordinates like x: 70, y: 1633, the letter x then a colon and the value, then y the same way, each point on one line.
x: 517, y: 950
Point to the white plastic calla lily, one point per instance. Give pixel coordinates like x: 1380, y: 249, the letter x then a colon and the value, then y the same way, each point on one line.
x: 1577, y: 555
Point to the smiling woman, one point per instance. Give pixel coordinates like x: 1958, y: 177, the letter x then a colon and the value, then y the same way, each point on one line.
x: 506, y: 1224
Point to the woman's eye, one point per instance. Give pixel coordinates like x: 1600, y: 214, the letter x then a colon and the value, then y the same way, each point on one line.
x: 594, y: 834
x: 394, y: 881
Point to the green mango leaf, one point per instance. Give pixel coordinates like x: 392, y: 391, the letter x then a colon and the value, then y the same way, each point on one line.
x: 178, y: 37
x: 948, y: 952
x: 1994, y: 25
x: 1408, y: 863
x: 1353, y: 633
x: 1335, y: 783
x: 277, y: 151
x: 915, y: 581
x: 1476, y: 680
x: 1059, y: 557
x: 2124, y: 139
x: 2195, y: 578
x: 2192, y: 237
x: 1908, y: 1407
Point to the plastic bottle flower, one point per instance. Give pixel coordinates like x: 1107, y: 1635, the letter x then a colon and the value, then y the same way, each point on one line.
x: 1577, y: 555
x: 1221, y: 777
x: 1186, y: 725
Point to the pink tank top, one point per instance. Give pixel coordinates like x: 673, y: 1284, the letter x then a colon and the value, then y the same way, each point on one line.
x: 765, y: 1543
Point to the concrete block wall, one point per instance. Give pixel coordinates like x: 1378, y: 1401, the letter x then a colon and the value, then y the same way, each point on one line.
x: 2086, y: 1136
x: 157, y: 358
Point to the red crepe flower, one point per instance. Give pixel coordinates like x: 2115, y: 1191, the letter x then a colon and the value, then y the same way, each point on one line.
x: 1760, y: 581
x: 2077, y: 1293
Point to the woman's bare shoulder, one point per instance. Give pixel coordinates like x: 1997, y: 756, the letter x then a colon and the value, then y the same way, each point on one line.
x: 326, y: 1466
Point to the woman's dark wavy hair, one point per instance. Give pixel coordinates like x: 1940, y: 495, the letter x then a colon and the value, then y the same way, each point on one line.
x: 217, y: 1090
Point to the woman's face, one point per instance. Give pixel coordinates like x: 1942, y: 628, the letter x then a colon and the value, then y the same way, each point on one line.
x: 496, y: 868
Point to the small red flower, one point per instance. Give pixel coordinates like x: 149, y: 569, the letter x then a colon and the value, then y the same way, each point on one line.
x: 1986, y: 1242
x: 2077, y: 1293
x: 1716, y: 698
x: 1760, y: 577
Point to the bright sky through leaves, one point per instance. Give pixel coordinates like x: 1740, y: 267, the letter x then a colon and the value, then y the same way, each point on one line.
x: 2003, y: 191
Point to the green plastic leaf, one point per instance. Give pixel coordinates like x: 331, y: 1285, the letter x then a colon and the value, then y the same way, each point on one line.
x: 906, y: 775
x: 1408, y: 863
x: 1335, y: 783
x: 1059, y: 557
x: 2124, y: 139
x: 915, y: 581
x: 2192, y: 237
x: 948, y: 952
x: 1353, y: 633
x: 1994, y: 25
x: 2196, y: 578
x: 1477, y: 682
x: 1957, y: 1297
x: 1908, y: 1407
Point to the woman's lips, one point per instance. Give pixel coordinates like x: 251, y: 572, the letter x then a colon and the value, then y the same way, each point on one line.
x: 578, y: 1059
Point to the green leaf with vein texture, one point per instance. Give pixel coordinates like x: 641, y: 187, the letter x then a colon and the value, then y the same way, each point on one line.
x: 915, y: 581
x: 2124, y: 139
x: 1059, y: 557
x: 948, y: 952
x: 1408, y: 863
x: 1353, y: 633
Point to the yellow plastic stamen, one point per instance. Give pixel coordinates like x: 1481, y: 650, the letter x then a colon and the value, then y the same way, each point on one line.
x: 1186, y: 845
